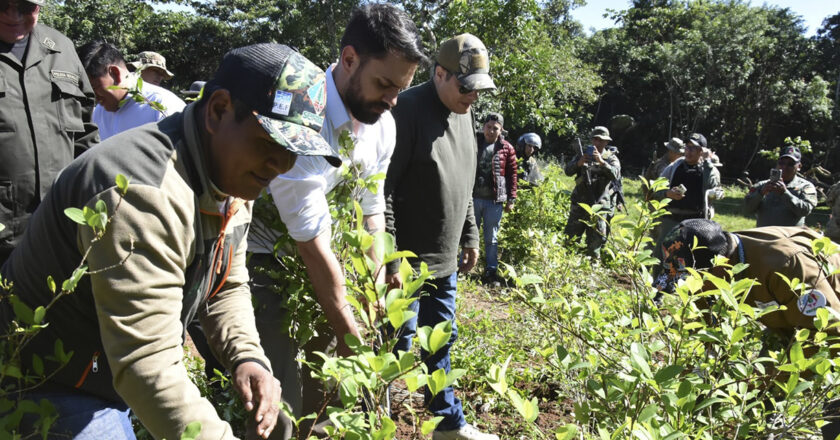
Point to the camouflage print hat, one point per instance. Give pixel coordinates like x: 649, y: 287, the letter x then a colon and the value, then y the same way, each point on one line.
x: 675, y: 144
x: 677, y: 252
x: 600, y: 132
x: 286, y: 92
x: 149, y: 59
x: 465, y: 56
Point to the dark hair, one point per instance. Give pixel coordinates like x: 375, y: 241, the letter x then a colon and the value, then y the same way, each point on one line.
x: 97, y: 55
x: 379, y: 28
x: 240, y: 109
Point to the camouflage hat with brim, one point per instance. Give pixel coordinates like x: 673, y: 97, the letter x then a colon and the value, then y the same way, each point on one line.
x: 675, y: 144
x: 600, y: 132
x: 466, y: 57
x: 286, y: 92
x: 149, y: 59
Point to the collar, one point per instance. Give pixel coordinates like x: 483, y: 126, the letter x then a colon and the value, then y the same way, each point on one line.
x: 40, y: 45
x: 336, y: 113
x: 193, y: 141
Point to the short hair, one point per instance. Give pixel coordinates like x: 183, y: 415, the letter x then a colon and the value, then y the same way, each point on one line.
x: 240, y: 109
x: 97, y: 55
x: 379, y: 28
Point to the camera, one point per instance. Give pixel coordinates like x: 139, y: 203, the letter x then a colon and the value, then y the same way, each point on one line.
x: 775, y: 175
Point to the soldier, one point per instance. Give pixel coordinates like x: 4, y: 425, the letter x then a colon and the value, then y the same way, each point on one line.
x: 529, y: 171
x: 596, y: 172
x: 675, y: 150
x: 152, y: 68
x: 45, y: 113
x: 785, y: 199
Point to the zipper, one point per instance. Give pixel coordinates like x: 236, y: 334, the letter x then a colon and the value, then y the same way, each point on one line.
x: 92, y: 366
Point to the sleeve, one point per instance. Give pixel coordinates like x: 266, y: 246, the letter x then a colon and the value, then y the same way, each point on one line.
x: 469, y: 235
x: 714, y: 183
x: 403, y: 150
x: 300, y: 198
x: 802, y: 204
x: 138, y: 304
x: 611, y: 168
x: 90, y: 136
x: 753, y: 199
x: 668, y: 173
x: 511, y: 174
x: 374, y: 203
x: 571, y: 167
x: 228, y: 318
x: 805, y: 267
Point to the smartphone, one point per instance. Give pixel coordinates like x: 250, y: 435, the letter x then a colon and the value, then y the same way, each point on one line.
x: 775, y: 175
x: 589, y: 150
x: 681, y: 189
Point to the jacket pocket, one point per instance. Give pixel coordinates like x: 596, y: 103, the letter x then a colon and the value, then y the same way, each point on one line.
x: 7, y: 122
x: 69, y: 99
x: 7, y: 208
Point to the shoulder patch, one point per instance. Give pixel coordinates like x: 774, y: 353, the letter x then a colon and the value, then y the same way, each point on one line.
x: 810, y: 302
x: 61, y: 75
x: 48, y: 43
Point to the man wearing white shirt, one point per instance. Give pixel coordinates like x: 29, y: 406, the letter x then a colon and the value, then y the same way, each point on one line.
x: 380, y: 51
x: 116, y: 111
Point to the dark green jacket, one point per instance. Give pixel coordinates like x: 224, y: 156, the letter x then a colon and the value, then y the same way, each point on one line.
x: 45, y: 121
x: 428, y: 189
x: 601, y: 189
x: 787, y: 209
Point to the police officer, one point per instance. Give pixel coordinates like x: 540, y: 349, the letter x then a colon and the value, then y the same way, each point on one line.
x: 526, y: 146
x: 785, y: 199
x: 595, y: 172
x: 45, y: 113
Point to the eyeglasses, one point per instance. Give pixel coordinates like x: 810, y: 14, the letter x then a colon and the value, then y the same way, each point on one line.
x: 23, y: 7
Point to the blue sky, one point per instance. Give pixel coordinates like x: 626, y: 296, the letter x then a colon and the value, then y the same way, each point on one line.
x: 812, y: 11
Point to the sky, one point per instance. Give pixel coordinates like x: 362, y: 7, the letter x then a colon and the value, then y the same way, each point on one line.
x: 812, y: 11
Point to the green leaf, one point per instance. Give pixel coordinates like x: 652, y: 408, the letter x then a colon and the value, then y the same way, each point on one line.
x: 429, y: 425
x: 101, y: 206
x: 76, y: 215
x: 122, y: 183
x: 22, y: 311
x: 639, y: 359
x: 69, y: 285
x: 496, y: 377
x: 192, y: 431
x: 566, y: 432
x: 667, y: 373
x: 37, y: 365
x: 528, y: 409
x: 440, y: 336
x: 414, y: 382
x: 437, y: 381
x: 38, y: 314
x: 648, y: 413
x: 51, y: 283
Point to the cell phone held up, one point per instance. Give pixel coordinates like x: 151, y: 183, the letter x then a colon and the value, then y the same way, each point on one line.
x: 681, y: 189
x: 775, y: 175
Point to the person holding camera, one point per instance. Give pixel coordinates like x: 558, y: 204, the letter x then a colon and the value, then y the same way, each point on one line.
x: 595, y: 168
x: 784, y: 199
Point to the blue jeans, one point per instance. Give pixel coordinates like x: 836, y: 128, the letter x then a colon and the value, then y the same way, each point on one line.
x: 82, y: 416
x: 489, y: 213
x: 436, y: 306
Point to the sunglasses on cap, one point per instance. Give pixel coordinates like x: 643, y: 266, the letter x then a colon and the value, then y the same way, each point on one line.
x: 22, y: 6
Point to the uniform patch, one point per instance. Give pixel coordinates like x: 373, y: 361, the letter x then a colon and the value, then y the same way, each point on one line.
x: 810, y: 302
x: 48, y: 43
x: 65, y: 76
x: 318, y: 95
x: 311, y: 119
x: 282, y: 102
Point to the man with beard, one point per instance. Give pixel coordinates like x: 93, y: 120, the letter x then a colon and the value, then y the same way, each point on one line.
x: 380, y: 51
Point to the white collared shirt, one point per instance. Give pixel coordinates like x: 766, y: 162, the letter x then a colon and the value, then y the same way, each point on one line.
x: 300, y: 194
x: 133, y: 114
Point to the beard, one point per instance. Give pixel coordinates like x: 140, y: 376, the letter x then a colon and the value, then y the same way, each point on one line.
x: 366, y: 112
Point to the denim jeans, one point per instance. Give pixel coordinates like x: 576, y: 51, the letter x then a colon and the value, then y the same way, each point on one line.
x: 82, y: 416
x: 436, y: 306
x: 489, y: 213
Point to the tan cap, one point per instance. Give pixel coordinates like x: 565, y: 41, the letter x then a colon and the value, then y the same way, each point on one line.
x: 466, y: 57
x: 675, y: 144
x: 600, y: 132
x: 151, y: 59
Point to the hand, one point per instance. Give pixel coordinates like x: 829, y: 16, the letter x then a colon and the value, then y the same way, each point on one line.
x: 779, y: 187
x: 256, y: 384
x: 765, y: 189
x: 509, y: 206
x: 394, y: 281
x: 596, y: 157
x: 582, y: 161
x: 674, y: 194
x: 468, y: 260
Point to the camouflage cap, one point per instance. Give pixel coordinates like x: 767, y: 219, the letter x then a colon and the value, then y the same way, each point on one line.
x: 791, y: 152
x: 675, y: 144
x: 677, y: 252
x: 149, y: 59
x: 600, y: 132
x: 287, y: 93
x: 465, y: 56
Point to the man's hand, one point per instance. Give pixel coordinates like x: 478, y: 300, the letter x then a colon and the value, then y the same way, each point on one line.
x: 509, y: 206
x: 394, y: 281
x: 674, y: 194
x: 257, y: 386
x: 596, y: 157
x: 468, y: 261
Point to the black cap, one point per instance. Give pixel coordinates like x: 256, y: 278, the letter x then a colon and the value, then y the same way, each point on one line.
x: 791, y: 152
x: 495, y: 117
x: 286, y: 92
x: 697, y: 139
x: 677, y: 250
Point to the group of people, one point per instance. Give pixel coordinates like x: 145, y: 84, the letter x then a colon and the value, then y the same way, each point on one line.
x: 174, y: 251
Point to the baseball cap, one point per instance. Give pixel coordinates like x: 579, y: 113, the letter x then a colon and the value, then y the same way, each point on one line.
x: 38, y: 2
x: 151, y: 59
x: 697, y: 139
x: 495, y: 117
x: 195, y: 89
x: 600, y: 132
x: 465, y: 56
x: 675, y: 144
x: 286, y: 92
x: 677, y: 250
x: 791, y: 152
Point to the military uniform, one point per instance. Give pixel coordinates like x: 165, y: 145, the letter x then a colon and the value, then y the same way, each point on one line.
x: 832, y: 228
x: 655, y: 170
x: 787, y: 209
x: 600, y: 190
x: 45, y: 121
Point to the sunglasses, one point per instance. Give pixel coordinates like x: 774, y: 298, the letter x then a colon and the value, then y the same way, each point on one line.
x: 23, y: 7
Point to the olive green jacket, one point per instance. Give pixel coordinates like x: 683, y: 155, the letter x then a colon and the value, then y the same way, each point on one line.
x: 600, y: 189
x: 786, y: 209
x: 45, y: 121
